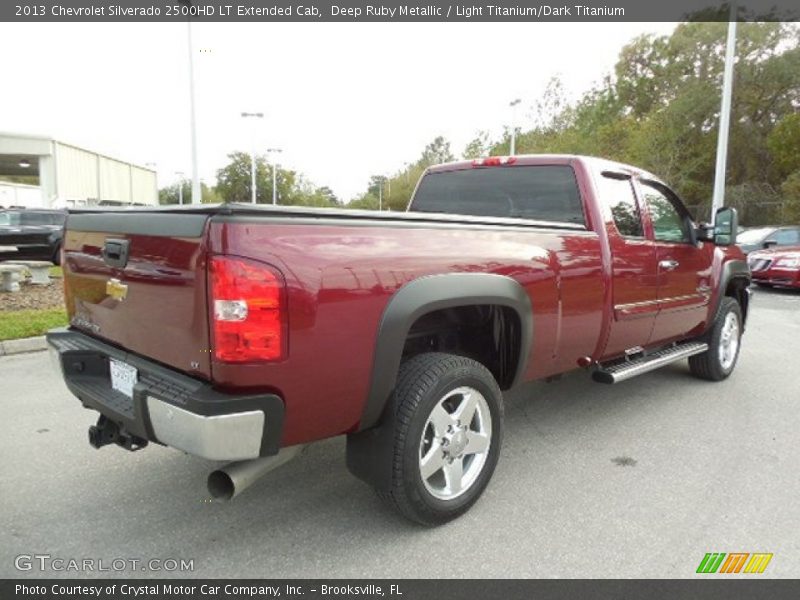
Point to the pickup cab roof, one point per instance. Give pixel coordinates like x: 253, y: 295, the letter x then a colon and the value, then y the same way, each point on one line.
x: 547, y: 159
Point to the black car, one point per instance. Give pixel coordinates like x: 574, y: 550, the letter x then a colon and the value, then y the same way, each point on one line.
x: 760, y: 238
x: 31, y: 234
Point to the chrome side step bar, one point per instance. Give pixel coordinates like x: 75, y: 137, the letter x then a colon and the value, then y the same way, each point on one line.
x: 631, y: 368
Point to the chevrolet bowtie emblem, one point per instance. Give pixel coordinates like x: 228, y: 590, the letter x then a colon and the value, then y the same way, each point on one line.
x: 116, y: 289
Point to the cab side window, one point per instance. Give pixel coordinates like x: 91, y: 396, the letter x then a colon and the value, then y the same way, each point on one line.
x: 669, y: 224
x: 617, y: 192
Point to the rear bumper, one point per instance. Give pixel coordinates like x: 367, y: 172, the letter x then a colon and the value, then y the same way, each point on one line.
x: 168, y: 407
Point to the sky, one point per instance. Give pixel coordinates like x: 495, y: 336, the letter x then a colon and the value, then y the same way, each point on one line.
x: 343, y: 101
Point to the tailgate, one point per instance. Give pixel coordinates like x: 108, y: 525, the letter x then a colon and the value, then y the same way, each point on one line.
x: 138, y: 280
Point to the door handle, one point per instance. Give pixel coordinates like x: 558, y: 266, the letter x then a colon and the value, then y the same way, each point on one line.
x: 668, y: 265
x: 115, y: 252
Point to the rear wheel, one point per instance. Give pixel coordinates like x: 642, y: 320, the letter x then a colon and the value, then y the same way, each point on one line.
x: 449, y: 419
x: 723, y: 340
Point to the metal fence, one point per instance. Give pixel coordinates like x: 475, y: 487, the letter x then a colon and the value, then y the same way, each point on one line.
x: 751, y: 214
x: 758, y: 204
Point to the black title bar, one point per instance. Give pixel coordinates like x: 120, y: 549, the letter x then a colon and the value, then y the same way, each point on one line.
x: 393, y: 10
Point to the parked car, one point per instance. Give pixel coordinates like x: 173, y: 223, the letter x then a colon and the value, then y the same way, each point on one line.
x: 31, y: 234
x: 759, y: 238
x: 776, y: 266
x: 259, y: 329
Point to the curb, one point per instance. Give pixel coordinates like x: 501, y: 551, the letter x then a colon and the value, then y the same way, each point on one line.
x: 32, y: 344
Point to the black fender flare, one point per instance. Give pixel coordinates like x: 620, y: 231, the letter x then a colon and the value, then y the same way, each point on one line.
x: 428, y: 294
x: 732, y: 269
x: 369, y: 450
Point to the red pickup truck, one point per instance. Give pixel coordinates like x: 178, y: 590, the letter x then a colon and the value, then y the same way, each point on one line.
x: 240, y: 333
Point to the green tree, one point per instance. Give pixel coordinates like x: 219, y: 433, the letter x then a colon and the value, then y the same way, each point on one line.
x: 660, y: 110
x: 377, y: 185
x: 398, y: 188
x: 364, y: 202
x: 234, y: 181
x: 479, y: 146
x: 170, y: 195
x: 327, y: 194
x: 791, y: 199
x: 437, y: 152
x: 784, y: 144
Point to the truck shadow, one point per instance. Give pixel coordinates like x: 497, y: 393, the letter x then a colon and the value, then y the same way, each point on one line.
x: 154, y: 503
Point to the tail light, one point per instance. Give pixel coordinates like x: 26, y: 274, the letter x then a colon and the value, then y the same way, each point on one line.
x: 249, y: 311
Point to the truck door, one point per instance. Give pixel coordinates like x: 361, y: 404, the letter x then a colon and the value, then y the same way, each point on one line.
x: 684, y: 268
x: 633, y: 260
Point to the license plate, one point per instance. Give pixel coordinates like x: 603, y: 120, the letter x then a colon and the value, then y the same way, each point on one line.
x: 123, y: 377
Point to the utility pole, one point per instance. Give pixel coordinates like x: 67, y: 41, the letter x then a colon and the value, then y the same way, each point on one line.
x: 181, y: 179
x: 274, y: 175
x: 256, y: 115
x: 381, y: 182
x: 192, y: 112
x: 513, y: 104
x: 724, y: 116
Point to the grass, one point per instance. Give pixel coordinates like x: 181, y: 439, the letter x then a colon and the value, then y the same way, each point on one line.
x: 56, y: 272
x: 16, y: 324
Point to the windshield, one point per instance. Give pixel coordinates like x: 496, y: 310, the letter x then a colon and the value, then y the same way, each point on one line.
x: 9, y: 218
x: 753, y: 236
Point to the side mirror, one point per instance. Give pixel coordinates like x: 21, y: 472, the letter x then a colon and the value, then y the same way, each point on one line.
x: 770, y: 243
x: 726, y: 225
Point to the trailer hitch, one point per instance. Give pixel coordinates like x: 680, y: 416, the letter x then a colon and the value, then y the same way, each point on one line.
x: 107, y: 432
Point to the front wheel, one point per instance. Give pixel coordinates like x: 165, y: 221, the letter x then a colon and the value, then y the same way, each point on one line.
x: 724, y: 341
x: 447, y: 436
x: 56, y: 257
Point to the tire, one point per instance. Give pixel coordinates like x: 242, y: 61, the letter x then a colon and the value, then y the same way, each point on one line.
x: 429, y: 387
x: 56, y: 258
x: 718, y: 362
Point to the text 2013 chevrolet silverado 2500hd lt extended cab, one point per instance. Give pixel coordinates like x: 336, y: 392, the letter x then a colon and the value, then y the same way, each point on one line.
x: 233, y: 332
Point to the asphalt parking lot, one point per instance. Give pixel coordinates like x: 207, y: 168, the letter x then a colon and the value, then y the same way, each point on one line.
x: 635, y: 480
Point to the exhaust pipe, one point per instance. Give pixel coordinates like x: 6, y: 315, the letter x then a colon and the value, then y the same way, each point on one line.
x: 234, y: 478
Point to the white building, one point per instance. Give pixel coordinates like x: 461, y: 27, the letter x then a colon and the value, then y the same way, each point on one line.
x: 69, y: 176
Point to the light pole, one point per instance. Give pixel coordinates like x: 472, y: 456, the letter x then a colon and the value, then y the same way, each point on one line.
x: 180, y: 186
x: 256, y: 115
x: 718, y: 198
x: 274, y: 174
x: 513, y: 104
x: 379, y: 180
x: 195, y: 172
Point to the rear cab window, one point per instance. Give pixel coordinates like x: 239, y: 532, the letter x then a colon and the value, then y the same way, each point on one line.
x: 533, y: 192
